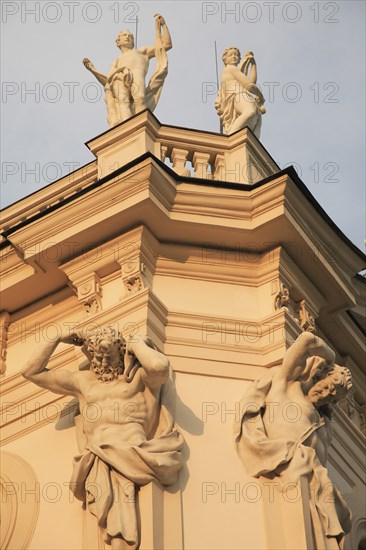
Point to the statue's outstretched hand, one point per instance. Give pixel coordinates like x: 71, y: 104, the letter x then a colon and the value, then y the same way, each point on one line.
x: 88, y: 64
x: 160, y: 21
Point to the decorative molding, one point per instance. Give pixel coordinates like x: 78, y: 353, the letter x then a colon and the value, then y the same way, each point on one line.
x: 282, y: 299
x: 305, y: 318
x: 50, y: 194
x: 348, y: 436
x: 324, y: 245
x: 134, y: 284
x: 260, y: 342
x: 4, y: 325
x: 13, y: 268
x: 228, y: 265
x: 31, y: 321
x: 89, y: 293
x: 347, y: 404
x: 101, y: 203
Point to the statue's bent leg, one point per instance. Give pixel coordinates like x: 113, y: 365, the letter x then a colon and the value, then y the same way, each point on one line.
x: 247, y: 115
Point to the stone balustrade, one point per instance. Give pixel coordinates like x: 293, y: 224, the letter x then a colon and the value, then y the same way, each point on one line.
x: 238, y: 158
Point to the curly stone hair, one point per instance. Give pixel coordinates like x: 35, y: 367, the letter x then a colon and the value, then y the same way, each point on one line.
x: 338, y: 381
x: 101, y: 363
x: 226, y: 51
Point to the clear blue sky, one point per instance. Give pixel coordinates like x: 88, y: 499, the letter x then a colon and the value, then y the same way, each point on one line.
x: 310, y: 58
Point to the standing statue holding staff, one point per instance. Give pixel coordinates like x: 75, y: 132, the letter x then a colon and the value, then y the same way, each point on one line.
x: 240, y: 101
x: 126, y: 431
x: 125, y: 90
x: 271, y: 444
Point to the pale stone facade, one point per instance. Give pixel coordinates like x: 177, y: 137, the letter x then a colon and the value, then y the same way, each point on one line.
x: 199, y: 241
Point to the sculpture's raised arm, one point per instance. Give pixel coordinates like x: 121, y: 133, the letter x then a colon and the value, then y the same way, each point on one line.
x: 154, y: 364
x: 295, y: 364
x: 249, y: 61
x: 162, y: 35
x: 165, y: 34
x: 62, y: 382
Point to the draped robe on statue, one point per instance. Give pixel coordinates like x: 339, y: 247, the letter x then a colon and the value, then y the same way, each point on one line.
x: 286, y: 460
x: 104, y: 477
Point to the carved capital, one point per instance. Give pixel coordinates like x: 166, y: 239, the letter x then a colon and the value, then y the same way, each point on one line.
x: 89, y: 293
x: 137, y: 260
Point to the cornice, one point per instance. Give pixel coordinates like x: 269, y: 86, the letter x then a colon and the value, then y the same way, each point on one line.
x: 262, y: 340
x: 49, y: 195
x: 190, y: 212
x: 294, y: 278
x: 327, y: 246
x: 13, y: 268
x: 25, y: 322
x: 255, y: 270
x: 231, y: 207
x: 114, y: 251
x: 69, y: 220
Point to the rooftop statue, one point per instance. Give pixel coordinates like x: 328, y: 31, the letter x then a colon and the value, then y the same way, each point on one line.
x: 240, y: 101
x: 125, y: 90
x: 128, y: 438
x: 271, y: 444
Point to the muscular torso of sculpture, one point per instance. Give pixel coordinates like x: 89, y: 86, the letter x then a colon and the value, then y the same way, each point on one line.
x: 285, y: 430
x: 125, y: 90
x: 128, y: 411
x: 240, y: 101
x: 124, y: 441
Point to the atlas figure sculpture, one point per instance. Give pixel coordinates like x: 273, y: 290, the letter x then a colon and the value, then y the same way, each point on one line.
x: 128, y: 438
x: 272, y: 445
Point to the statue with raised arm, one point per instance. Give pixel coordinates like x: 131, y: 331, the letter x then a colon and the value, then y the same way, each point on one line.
x: 127, y: 436
x: 239, y: 102
x: 272, y: 444
x: 125, y: 90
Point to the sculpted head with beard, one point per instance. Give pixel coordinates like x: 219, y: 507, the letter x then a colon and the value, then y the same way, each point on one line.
x: 329, y: 384
x: 105, y: 349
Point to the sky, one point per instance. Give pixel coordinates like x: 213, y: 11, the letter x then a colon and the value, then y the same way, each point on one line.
x: 310, y: 57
